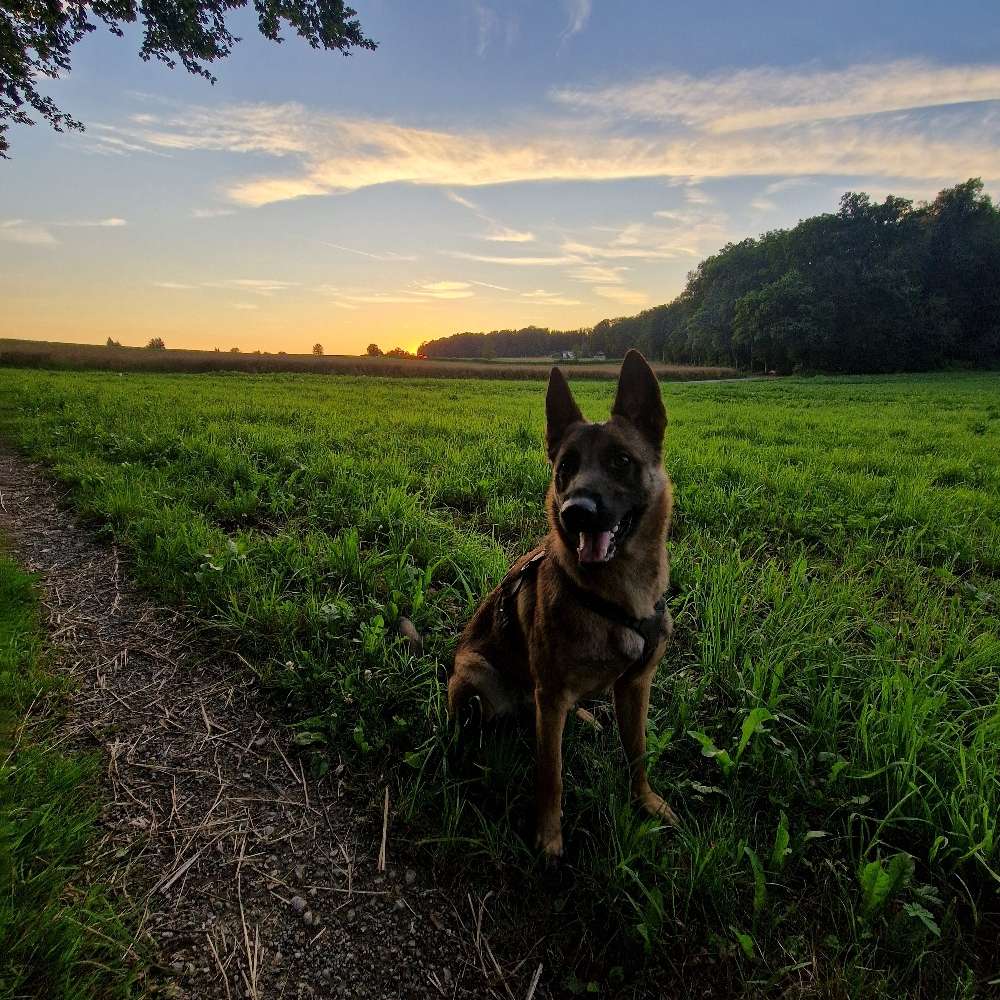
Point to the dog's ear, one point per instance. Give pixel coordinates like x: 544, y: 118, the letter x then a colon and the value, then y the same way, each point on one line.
x: 561, y: 412
x: 638, y: 400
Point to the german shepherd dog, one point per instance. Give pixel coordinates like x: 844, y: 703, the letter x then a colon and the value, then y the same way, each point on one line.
x: 583, y: 612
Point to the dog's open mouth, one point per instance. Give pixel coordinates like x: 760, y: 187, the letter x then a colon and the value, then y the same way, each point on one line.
x: 601, y: 546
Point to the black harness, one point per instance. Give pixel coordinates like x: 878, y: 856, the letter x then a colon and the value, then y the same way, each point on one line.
x: 650, y: 629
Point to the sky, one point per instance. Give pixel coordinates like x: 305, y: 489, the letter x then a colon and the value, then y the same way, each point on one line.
x: 491, y: 165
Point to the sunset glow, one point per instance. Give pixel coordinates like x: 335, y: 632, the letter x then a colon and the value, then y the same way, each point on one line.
x: 488, y: 166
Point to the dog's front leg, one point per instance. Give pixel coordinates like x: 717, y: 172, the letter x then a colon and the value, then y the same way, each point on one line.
x: 550, y: 718
x: 632, y: 709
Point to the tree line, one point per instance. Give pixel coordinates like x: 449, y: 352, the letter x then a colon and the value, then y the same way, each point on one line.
x: 874, y: 287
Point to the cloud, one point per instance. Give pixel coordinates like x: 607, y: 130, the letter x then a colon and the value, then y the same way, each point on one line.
x: 761, y: 204
x: 553, y: 261
x: 578, y: 14
x: 544, y: 298
x: 489, y: 24
x: 766, y: 97
x: 764, y: 122
x: 258, y: 286
x: 625, y: 296
x: 245, y: 305
x: 505, y: 235
x: 386, y: 256
x: 786, y: 183
x: 112, y: 223
x: 597, y: 274
x: 486, y: 284
x: 212, y: 213
x: 445, y: 290
x: 29, y: 233
x: 620, y: 252
x: 499, y: 233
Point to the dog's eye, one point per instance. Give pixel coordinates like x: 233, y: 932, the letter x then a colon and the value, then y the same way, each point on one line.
x: 566, y: 468
x: 621, y: 462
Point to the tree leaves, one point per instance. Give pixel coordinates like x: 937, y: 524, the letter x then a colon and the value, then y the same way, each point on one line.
x: 36, y: 39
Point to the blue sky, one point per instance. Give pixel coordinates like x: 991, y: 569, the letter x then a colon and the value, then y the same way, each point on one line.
x: 489, y: 165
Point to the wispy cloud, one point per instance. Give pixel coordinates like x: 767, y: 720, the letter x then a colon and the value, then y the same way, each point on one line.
x: 498, y: 233
x: 257, y: 286
x: 212, y: 213
x: 245, y: 305
x: 22, y: 231
x: 486, y: 284
x: 553, y: 261
x: 765, y: 97
x: 111, y: 223
x: 578, y: 14
x: 598, y: 274
x: 387, y: 255
x: 445, y: 290
x: 541, y: 297
x: 490, y: 24
x: 758, y: 122
x: 625, y: 296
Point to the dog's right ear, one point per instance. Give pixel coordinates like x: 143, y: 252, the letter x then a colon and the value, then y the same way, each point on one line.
x: 561, y: 412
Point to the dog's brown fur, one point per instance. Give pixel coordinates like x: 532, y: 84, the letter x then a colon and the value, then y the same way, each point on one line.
x: 554, y: 651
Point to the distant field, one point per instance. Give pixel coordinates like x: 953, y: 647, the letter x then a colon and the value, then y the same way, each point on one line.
x: 827, y: 724
x: 41, y: 354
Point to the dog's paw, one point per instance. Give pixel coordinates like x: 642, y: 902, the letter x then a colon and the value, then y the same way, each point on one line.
x: 656, y: 806
x: 551, y: 845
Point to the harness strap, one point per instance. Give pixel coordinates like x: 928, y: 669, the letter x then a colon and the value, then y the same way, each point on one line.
x: 649, y: 628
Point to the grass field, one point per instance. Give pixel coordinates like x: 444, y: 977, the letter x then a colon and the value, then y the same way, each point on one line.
x: 60, y: 937
x: 88, y: 357
x: 827, y: 724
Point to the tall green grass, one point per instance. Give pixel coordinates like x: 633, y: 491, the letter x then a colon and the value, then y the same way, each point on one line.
x: 61, y: 935
x: 827, y: 724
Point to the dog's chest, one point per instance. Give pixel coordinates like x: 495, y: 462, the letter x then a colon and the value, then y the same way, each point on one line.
x: 626, y: 642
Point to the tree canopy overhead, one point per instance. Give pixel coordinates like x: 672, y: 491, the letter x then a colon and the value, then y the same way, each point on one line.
x: 874, y: 287
x: 37, y: 36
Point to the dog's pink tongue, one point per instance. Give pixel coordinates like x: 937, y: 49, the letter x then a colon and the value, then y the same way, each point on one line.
x: 593, y: 546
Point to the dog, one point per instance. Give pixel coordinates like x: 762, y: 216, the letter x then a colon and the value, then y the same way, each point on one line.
x: 583, y: 612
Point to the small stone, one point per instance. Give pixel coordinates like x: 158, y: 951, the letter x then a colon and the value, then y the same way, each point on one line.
x: 399, y: 905
x: 411, y: 876
x: 409, y: 632
x: 307, y: 918
x: 351, y: 916
x: 298, y: 904
x: 314, y: 892
x: 300, y: 873
x: 178, y: 967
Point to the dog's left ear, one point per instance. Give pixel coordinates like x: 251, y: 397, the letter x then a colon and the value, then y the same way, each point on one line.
x: 561, y: 412
x: 638, y: 400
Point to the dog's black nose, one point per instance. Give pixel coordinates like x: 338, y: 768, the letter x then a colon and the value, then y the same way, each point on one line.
x: 578, y: 514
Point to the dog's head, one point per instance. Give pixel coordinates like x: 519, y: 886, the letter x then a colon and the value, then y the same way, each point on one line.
x: 606, y: 477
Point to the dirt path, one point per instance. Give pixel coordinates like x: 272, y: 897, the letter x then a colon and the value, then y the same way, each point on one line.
x: 255, y: 880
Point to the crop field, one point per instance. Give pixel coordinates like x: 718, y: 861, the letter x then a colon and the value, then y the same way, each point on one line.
x: 827, y: 723
x: 55, y: 355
